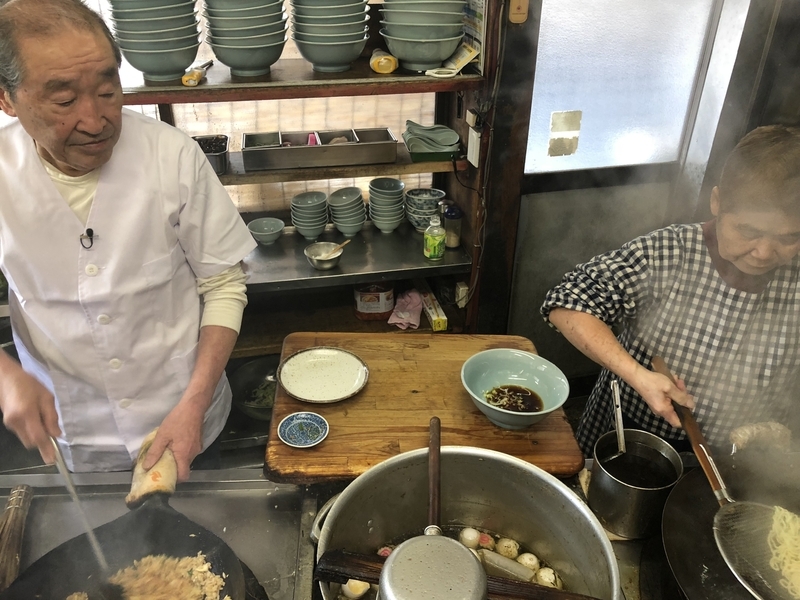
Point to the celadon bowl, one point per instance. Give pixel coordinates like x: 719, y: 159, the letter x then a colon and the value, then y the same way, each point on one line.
x: 330, y: 57
x: 422, y: 32
x: 152, y: 12
x: 162, y: 65
x: 248, y: 32
x: 158, y: 34
x: 361, y: 9
x: 505, y: 366
x: 249, y: 61
x: 266, y: 230
x: 253, y: 41
x: 332, y: 28
x: 155, y: 24
x: 421, y: 55
x: 355, y: 208
x: 164, y: 44
x: 422, y: 17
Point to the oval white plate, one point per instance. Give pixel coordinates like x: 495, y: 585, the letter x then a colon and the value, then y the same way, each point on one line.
x: 323, y: 374
x: 303, y: 429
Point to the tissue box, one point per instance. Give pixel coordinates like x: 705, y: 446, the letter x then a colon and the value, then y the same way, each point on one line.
x: 433, y: 310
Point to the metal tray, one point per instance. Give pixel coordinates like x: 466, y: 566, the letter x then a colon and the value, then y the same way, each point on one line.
x: 433, y: 156
x: 279, y: 150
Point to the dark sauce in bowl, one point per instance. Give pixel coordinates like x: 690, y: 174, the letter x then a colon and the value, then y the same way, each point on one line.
x: 514, y: 397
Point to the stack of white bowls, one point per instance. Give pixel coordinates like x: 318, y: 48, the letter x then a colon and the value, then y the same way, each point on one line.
x: 422, y: 33
x: 386, y: 203
x: 157, y: 37
x: 347, y: 210
x: 421, y: 205
x: 330, y: 34
x: 247, y: 35
x: 310, y: 214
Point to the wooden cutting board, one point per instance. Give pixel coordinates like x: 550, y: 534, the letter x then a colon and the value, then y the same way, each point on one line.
x: 412, y: 377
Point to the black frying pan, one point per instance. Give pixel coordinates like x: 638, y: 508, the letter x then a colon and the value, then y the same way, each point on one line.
x: 153, y: 528
x: 755, y: 475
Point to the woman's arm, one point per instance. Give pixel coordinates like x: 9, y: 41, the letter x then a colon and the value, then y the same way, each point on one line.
x: 597, y: 341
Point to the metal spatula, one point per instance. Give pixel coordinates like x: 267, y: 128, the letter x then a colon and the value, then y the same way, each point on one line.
x: 741, y: 529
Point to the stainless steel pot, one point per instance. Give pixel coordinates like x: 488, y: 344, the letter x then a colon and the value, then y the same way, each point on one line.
x: 632, y: 509
x: 480, y: 488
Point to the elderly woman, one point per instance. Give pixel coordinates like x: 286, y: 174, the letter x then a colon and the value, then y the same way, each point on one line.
x: 719, y: 301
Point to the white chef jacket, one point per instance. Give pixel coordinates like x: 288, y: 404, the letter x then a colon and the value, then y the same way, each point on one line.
x: 112, y: 330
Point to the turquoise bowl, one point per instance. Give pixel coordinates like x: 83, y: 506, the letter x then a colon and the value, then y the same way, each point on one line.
x: 252, y: 41
x: 309, y: 199
x: 348, y: 211
x: 344, y: 197
x: 352, y: 220
x: 350, y: 230
x: 155, y: 24
x: 387, y: 186
x: 504, y: 366
x: 266, y: 230
x: 152, y: 12
x: 164, y: 44
x: 332, y: 18
x: 162, y: 65
x: 327, y: 28
x: 247, y: 32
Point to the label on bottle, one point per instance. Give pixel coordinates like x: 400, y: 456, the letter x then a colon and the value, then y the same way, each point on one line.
x: 433, y: 248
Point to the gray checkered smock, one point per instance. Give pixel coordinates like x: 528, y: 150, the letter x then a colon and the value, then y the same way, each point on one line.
x: 737, y: 351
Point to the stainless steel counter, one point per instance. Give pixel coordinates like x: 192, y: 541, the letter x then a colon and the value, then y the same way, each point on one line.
x: 370, y: 256
x: 265, y: 523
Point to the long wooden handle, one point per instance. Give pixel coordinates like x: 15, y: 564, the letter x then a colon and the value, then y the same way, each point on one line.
x: 338, y: 566
x: 434, y: 479
x: 696, y: 438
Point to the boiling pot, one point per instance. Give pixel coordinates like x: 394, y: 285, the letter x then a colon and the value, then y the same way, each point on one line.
x: 480, y: 488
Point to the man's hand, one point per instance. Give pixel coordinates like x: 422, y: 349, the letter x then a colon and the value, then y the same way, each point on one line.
x: 658, y: 391
x: 182, y: 432
x: 29, y: 409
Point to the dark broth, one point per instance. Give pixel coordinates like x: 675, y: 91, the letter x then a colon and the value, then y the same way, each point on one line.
x: 642, y: 466
x: 515, y: 397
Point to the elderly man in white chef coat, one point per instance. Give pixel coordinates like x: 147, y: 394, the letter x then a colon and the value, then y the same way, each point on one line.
x: 122, y: 252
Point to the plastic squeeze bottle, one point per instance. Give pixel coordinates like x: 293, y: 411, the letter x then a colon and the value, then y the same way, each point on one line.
x: 433, y: 240
x: 382, y: 62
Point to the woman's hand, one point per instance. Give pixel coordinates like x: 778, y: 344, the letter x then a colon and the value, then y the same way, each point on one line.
x: 29, y: 409
x: 658, y: 391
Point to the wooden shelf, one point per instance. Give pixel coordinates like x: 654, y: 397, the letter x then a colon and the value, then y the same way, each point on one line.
x: 289, y: 79
x: 236, y: 174
x: 263, y: 330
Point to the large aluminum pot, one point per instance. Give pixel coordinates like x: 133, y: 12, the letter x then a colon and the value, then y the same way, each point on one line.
x: 481, y: 488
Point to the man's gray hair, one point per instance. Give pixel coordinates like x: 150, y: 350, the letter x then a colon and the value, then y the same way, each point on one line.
x: 39, y: 19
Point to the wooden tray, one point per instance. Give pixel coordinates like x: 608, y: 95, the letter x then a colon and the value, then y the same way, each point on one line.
x: 412, y: 377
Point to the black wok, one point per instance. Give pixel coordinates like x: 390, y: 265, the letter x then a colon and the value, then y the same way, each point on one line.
x: 768, y: 477
x: 153, y: 528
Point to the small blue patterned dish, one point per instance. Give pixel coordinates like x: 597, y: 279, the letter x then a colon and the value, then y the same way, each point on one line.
x: 302, y: 429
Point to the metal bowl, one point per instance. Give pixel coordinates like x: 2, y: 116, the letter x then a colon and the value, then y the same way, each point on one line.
x: 314, y: 251
x: 251, y: 384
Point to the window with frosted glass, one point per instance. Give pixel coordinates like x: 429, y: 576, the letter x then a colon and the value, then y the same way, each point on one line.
x: 614, y: 82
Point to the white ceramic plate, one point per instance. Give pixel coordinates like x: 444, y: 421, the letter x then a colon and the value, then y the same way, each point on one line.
x: 303, y: 429
x: 323, y: 374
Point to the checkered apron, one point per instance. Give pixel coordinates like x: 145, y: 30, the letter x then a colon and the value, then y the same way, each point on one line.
x: 737, y: 351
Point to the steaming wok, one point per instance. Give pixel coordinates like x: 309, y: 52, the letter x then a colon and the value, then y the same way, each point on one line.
x: 153, y: 528
x: 766, y: 476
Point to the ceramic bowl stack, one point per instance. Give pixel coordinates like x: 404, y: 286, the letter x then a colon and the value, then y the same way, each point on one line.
x: 159, y: 38
x: 310, y: 214
x: 246, y: 35
x: 386, y: 203
x: 330, y: 34
x: 422, y: 33
x: 347, y: 210
x: 421, y: 205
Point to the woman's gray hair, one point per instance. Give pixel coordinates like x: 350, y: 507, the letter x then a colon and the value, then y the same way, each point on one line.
x: 39, y: 19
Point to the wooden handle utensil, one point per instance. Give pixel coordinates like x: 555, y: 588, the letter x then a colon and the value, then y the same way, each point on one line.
x: 12, y: 528
x: 335, y: 250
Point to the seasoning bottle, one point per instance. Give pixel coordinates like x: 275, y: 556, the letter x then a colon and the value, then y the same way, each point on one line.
x: 452, y: 226
x: 433, y: 240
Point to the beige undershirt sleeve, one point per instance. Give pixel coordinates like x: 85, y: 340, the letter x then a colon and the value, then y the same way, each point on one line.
x: 224, y: 295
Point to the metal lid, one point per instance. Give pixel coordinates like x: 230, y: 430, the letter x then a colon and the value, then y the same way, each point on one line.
x: 434, y: 568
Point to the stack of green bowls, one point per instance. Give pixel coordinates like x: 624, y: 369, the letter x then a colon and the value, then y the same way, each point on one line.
x: 158, y: 37
x: 310, y: 214
x: 246, y: 35
x: 386, y: 203
x: 347, y: 210
x: 422, y: 33
x: 330, y: 34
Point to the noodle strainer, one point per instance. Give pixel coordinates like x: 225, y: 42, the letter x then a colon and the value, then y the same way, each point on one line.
x: 741, y: 529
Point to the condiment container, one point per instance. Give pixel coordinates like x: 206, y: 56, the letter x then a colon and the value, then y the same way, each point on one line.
x: 628, y: 493
x: 452, y: 226
x: 374, y: 301
x: 433, y: 240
